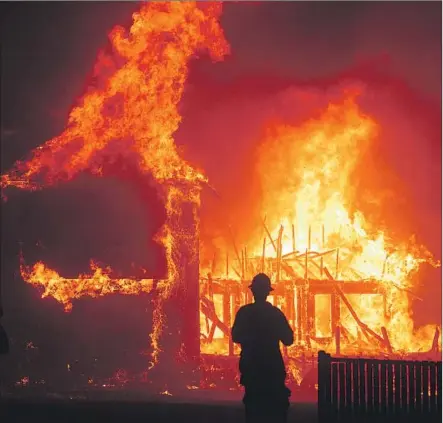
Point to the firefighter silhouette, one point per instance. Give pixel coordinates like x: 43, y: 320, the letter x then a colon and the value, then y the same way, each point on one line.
x: 259, y: 328
x: 4, y: 342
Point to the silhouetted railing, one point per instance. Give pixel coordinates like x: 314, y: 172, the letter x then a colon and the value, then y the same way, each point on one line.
x: 356, y: 389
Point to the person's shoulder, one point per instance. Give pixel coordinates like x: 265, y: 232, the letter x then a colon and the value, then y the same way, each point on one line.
x: 276, y: 310
x: 246, y: 308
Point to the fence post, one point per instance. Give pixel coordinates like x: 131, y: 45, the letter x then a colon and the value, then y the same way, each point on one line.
x: 324, y: 386
x: 404, y: 387
x: 432, y: 381
x: 398, y: 388
x: 349, y: 407
x: 439, y: 382
x: 418, y: 388
x: 369, y: 384
x: 412, y: 395
x: 337, y: 340
x: 425, y: 367
x: 384, y: 388
x: 362, y: 386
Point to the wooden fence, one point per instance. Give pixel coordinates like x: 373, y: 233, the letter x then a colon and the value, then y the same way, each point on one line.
x: 357, y: 389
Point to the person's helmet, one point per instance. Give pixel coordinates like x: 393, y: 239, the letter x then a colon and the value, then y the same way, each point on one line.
x: 261, y: 283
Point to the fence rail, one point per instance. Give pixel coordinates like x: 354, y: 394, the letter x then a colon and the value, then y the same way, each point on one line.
x: 356, y: 389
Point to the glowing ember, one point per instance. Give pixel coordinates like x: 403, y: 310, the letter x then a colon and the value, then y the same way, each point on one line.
x: 167, y: 393
x: 24, y: 381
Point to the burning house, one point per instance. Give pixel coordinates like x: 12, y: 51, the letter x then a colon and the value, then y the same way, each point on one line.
x: 344, y: 286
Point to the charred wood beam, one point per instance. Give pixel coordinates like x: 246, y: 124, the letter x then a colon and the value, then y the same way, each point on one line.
x: 335, y: 311
x: 365, y: 329
x: 299, y: 313
x: 310, y: 311
x: 311, y: 254
x: 263, y: 257
x: 243, y: 265
x: 336, y: 263
x: 279, y: 251
x: 400, y: 288
x: 210, y: 287
x: 208, y: 309
x: 285, y: 266
x: 344, y: 333
x: 227, y: 265
x: 235, y: 247
x: 337, y: 340
x: 435, y: 340
x: 386, y: 338
x: 288, y: 269
x: 214, y: 262
x: 211, y: 333
x: 269, y: 236
x: 328, y: 286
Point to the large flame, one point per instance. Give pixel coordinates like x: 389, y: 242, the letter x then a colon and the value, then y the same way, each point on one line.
x: 131, y: 111
x: 307, y: 174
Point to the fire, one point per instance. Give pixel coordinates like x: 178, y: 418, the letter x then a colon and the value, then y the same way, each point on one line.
x: 310, y: 188
x: 131, y: 112
x: 95, y: 284
x: 312, y: 231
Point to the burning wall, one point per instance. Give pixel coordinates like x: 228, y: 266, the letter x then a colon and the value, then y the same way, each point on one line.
x: 131, y: 112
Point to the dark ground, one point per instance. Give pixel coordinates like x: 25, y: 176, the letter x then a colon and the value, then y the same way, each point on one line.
x: 158, y: 411
x: 65, y: 411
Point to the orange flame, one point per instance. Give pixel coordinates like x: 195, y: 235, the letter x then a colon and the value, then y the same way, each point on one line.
x: 306, y: 173
x: 132, y: 112
x: 133, y: 109
x: 96, y: 284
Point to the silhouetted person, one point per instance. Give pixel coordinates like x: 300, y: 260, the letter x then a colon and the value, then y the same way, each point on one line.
x: 4, y: 343
x: 259, y: 328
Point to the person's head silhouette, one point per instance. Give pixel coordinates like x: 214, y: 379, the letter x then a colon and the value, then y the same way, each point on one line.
x: 261, y: 287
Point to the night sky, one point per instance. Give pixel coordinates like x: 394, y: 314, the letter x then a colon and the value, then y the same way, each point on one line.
x: 47, y: 53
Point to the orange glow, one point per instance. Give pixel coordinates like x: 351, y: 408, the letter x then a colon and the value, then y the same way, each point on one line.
x: 95, y: 284
x: 131, y: 113
x: 313, y: 231
x: 133, y: 109
x: 307, y: 174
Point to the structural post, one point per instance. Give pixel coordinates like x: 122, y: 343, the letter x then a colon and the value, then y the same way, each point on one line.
x: 182, y: 307
x: 324, y: 386
x: 187, y: 245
